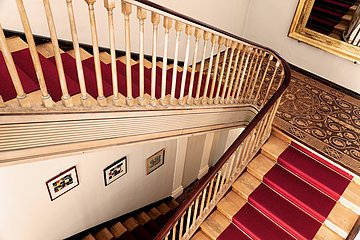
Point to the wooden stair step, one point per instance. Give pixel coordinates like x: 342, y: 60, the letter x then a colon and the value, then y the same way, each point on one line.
x: 273, y: 148
x: 245, y: 185
x: 105, y: 57
x: 130, y: 224
x: 47, y: 50
x: 351, y: 197
x: 164, y: 209
x: 142, y: 218
x: 230, y: 204
x: 104, y: 234
x: 341, y: 220
x: 154, y: 213
x: 117, y: 230
x: 325, y: 233
x: 173, y: 204
x: 16, y: 44
x: 200, y: 235
x: 148, y: 223
x: 123, y: 60
x: 83, y: 54
x: 259, y: 166
x: 215, y: 224
x: 88, y: 237
x: 136, y: 229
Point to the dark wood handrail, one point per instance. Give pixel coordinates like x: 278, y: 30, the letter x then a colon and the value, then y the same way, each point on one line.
x: 213, y: 171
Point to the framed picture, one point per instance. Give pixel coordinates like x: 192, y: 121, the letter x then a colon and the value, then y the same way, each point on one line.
x: 115, y: 170
x: 62, y: 183
x: 155, y: 161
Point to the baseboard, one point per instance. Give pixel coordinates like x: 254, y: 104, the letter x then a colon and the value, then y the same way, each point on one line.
x: 203, y: 172
x: 177, y: 192
x: 326, y: 81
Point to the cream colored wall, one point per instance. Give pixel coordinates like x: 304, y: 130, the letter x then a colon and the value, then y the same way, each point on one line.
x: 268, y: 23
x: 26, y: 209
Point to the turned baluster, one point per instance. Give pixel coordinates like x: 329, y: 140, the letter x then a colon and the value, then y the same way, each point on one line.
x: 167, y: 25
x: 46, y: 98
x: 271, y: 81
x: 240, y: 70
x: 221, y: 41
x: 220, y: 80
x: 21, y: 95
x: 84, y: 96
x: 2, y: 104
x: 257, y: 75
x: 189, y: 31
x: 263, y: 78
x: 181, y: 226
x: 141, y: 15
x: 178, y: 29
x: 126, y: 10
x: 174, y: 231
x: 233, y: 46
x: 188, y: 218
x: 155, y: 19
x: 252, y: 80
x: 110, y: 5
x: 248, y: 51
x: 198, y: 34
x: 219, y: 175
x: 202, y: 205
x: 94, y: 37
x: 213, y: 41
x: 227, y: 101
x: 254, y: 55
x: 207, y: 36
x: 196, y: 209
x: 210, y: 192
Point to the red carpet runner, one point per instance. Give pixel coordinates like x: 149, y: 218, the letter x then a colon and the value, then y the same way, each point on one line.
x: 292, y: 202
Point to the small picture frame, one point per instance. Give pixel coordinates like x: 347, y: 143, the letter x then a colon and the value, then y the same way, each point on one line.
x: 62, y: 183
x: 115, y: 171
x: 155, y: 161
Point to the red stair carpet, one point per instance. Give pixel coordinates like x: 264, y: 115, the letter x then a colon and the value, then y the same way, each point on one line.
x: 293, y: 201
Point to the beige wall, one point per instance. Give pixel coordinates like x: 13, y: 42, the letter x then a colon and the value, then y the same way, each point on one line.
x: 268, y: 23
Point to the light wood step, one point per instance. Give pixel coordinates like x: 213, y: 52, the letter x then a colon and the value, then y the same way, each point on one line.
x: 351, y: 197
x: 47, y: 50
x: 154, y: 213
x: 163, y: 209
x: 130, y: 224
x: 245, y: 185
x: 16, y: 44
x: 341, y: 220
x: 325, y: 233
x: 200, y: 235
x: 123, y: 60
x: 88, y: 237
x: 117, y: 230
x: 142, y: 218
x: 259, y: 166
x: 173, y: 204
x: 341, y: 26
x: 273, y: 148
x: 83, y: 54
x: 215, y: 224
x: 105, y: 57
x: 103, y: 234
x: 230, y: 204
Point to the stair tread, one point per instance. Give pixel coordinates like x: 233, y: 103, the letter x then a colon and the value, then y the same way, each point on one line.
x: 294, y: 220
x: 232, y: 233
x: 341, y: 220
x: 299, y: 192
x: 154, y: 213
x: 352, y: 197
x: 142, y: 218
x: 117, y: 229
x: 130, y: 224
x: 325, y: 233
x: 245, y: 185
x: 88, y: 237
x: 215, y: 224
x: 258, y: 226
x: 230, y: 204
x: 320, y: 176
x: 104, y: 234
x: 47, y: 50
x: 83, y: 54
x: 163, y: 208
x: 259, y: 166
x: 273, y: 147
x: 173, y: 204
x: 200, y: 235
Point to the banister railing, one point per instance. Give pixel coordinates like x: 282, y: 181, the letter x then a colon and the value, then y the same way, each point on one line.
x: 352, y: 32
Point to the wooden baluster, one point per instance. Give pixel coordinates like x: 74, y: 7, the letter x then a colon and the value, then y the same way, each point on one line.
x: 233, y: 46
x: 248, y: 78
x: 217, y: 183
x: 95, y: 46
x: 257, y: 75
x: 263, y: 78
x: 174, y: 231
x: 210, y: 192
x: 189, y: 31
x: 196, y: 209
x: 80, y: 73
x: 188, y: 218
x: 207, y: 36
x: 270, y: 84
x: 45, y: 97
x: 181, y: 226
x: 223, y: 177
x: 243, y: 154
x: 155, y: 19
x: 198, y: 35
x: 2, y: 104
x: 220, y: 80
x: 213, y: 41
x: 167, y: 26
x: 252, y: 80
x: 227, y: 101
x: 110, y: 5
x: 249, y: 50
x: 178, y: 29
x: 141, y: 15
x: 230, y: 167
x: 221, y: 41
x: 66, y: 99
x: 167, y: 236
x: 21, y: 95
x: 202, y: 205
x: 237, y: 159
x: 240, y: 70
x: 126, y: 10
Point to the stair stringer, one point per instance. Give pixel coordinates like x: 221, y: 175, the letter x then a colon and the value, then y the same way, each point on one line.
x: 33, y: 137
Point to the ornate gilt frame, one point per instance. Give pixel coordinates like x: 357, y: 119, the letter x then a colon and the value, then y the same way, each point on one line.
x: 299, y: 32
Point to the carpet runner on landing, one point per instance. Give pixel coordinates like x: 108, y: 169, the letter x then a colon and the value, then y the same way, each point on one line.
x: 294, y: 201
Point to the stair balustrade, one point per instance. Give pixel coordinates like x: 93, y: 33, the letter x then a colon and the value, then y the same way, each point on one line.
x: 352, y: 32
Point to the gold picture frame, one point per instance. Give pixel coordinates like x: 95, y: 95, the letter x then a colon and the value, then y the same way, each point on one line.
x: 299, y: 32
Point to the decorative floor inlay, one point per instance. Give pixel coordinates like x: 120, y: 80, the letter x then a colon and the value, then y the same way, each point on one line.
x: 322, y: 118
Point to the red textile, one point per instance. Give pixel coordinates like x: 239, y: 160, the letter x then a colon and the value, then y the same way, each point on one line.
x: 299, y: 192
x: 287, y: 215
x: 232, y: 233
x: 320, y: 176
x: 257, y: 226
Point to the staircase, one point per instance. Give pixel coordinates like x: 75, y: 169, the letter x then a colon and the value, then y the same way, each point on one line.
x: 287, y: 192
x: 331, y: 17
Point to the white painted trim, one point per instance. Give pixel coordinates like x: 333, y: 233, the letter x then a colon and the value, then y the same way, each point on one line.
x: 179, y: 165
x: 177, y: 192
x: 203, y: 172
x: 204, y: 165
x: 336, y: 229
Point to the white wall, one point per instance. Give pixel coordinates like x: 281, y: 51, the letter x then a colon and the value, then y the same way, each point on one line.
x: 268, y: 23
x: 26, y: 209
